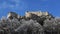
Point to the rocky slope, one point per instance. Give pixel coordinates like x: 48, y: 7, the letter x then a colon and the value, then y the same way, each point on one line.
x: 31, y: 23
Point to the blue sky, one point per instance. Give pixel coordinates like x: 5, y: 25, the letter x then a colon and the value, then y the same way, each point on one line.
x: 21, y: 6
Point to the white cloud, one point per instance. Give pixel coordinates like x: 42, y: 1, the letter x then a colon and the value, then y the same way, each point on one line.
x: 19, y: 5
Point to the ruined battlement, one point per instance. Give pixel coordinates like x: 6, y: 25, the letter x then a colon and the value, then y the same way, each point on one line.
x: 28, y: 14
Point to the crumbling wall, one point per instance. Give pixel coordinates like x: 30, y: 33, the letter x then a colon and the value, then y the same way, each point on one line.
x: 28, y: 14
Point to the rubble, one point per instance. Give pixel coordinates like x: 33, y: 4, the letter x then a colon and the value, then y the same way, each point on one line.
x: 52, y: 26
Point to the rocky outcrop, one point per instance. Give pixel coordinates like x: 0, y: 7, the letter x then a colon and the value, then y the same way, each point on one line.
x: 31, y: 23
